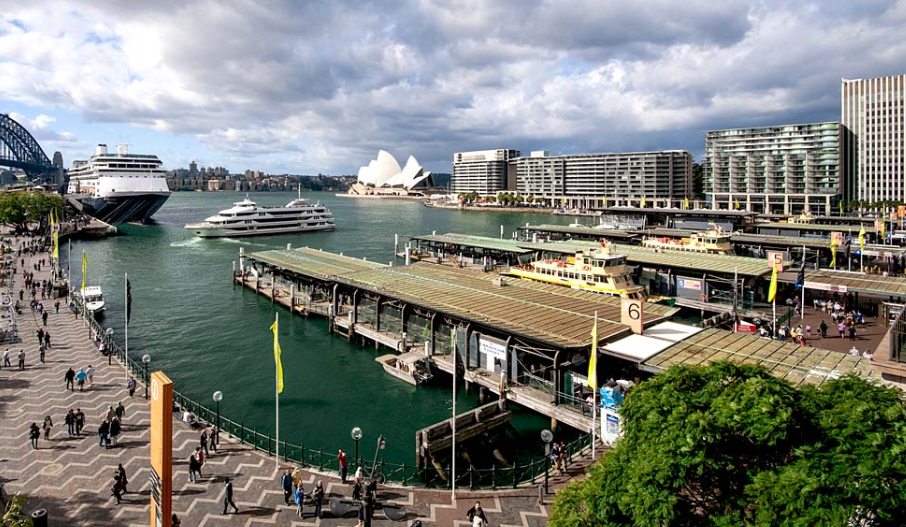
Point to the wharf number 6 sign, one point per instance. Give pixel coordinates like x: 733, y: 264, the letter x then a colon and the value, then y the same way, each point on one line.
x: 632, y: 314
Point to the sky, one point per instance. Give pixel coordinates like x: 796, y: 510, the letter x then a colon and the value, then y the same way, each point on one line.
x: 312, y: 86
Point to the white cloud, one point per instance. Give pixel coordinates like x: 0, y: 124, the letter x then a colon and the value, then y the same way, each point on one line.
x: 320, y: 86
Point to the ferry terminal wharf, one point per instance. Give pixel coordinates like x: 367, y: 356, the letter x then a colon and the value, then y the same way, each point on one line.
x: 531, y: 335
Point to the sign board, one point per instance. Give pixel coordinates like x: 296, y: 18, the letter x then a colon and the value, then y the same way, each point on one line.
x: 826, y: 287
x: 901, y: 211
x: 493, y: 347
x: 745, y: 327
x: 631, y: 314
x: 161, y: 449
x: 776, y: 258
x: 611, y: 428
x: 837, y: 237
x: 689, y: 283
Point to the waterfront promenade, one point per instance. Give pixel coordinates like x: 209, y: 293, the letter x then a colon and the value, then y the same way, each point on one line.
x: 71, y: 476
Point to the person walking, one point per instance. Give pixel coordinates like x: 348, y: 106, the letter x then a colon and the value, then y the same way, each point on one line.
x: 21, y: 359
x: 34, y: 433
x: 6, y: 358
x: 44, y: 317
x: 286, y: 483
x: 203, y: 441
x: 121, y: 472
x: 120, y: 411
x: 194, y: 468
x: 299, y: 499
x: 117, y: 489
x: 46, y: 426
x: 115, y: 429
x: 79, y: 421
x: 47, y: 339
x: 852, y: 332
x: 341, y: 458
x: 213, y: 438
x: 56, y: 306
x: 80, y: 377
x: 111, y: 413
x: 40, y: 330
x: 476, y: 515
x: 90, y: 374
x: 130, y: 385
x: 228, y: 497
x: 70, y: 422
x: 41, y: 350
x: 823, y: 328
x: 69, y: 378
x: 199, y: 455
x: 317, y: 496
x: 104, y: 434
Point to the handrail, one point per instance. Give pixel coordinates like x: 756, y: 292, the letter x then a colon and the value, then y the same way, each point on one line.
x: 405, y: 474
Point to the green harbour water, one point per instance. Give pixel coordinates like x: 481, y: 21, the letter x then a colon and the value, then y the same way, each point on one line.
x: 209, y: 335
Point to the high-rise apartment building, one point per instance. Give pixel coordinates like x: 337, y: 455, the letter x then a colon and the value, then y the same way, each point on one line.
x: 661, y: 178
x: 774, y: 169
x: 873, y: 114
x: 485, y: 171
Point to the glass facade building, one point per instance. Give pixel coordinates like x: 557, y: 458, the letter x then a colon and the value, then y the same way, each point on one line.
x: 485, y: 171
x: 774, y: 169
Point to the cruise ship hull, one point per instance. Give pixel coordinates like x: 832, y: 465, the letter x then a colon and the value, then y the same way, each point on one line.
x: 120, y: 208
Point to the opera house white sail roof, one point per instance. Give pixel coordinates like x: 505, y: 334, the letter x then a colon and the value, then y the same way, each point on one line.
x: 385, y: 172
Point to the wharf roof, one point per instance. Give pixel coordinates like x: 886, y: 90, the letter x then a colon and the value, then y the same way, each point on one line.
x: 315, y: 263
x: 814, y: 227
x: 716, y: 213
x: 844, y: 281
x: 786, y: 360
x: 478, y: 242
x: 789, y: 241
x: 584, y: 231
x: 704, y: 262
x: 557, y: 316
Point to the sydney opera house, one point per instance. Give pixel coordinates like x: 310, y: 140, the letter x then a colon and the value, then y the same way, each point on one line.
x: 383, y: 177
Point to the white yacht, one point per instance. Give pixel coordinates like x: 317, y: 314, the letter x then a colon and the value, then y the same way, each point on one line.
x: 93, y: 298
x: 246, y: 218
x: 118, y: 188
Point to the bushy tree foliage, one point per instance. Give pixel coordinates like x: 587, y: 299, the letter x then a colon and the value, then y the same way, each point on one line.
x: 24, y: 211
x: 731, y: 445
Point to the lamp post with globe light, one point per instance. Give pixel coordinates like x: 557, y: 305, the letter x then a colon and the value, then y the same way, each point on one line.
x: 145, y: 360
x: 356, y: 436
x: 218, y: 396
x: 547, y: 436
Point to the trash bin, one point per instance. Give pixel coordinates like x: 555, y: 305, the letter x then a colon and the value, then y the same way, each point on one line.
x: 39, y: 518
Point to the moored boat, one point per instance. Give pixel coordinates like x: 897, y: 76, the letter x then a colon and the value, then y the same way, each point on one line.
x: 714, y: 241
x: 410, y: 367
x: 93, y: 299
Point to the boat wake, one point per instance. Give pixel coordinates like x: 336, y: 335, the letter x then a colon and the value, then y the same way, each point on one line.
x: 191, y: 242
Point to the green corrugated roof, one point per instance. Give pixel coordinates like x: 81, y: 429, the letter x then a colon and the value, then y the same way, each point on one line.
x: 813, y: 227
x: 313, y: 262
x: 786, y: 360
x: 583, y: 231
x: 479, y: 242
x: 825, y: 279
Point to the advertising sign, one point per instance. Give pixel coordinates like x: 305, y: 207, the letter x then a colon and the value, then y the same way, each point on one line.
x: 610, y: 426
x: 745, y: 327
x: 689, y: 283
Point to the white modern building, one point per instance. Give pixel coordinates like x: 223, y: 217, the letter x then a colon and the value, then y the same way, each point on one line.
x: 486, y: 172
x: 784, y: 169
x: 384, y: 176
x: 657, y: 179
x: 873, y: 114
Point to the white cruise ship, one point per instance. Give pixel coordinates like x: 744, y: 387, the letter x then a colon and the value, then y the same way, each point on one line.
x: 118, y: 188
x: 245, y: 218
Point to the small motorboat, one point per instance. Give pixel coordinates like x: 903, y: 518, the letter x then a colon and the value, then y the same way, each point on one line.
x: 93, y: 298
x: 411, y: 367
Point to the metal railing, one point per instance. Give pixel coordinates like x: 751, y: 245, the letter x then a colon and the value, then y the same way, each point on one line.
x: 528, y: 473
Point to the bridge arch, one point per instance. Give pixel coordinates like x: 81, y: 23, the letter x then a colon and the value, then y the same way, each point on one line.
x: 20, y: 149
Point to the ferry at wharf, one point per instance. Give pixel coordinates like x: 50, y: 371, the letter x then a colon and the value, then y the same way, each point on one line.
x: 245, y: 218
x: 714, y: 241
x: 600, y: 271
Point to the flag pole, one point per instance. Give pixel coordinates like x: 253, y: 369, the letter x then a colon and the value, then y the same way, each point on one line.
x: 277, y: 395
x: 594, y: 394
x: 735, y: 298
x: 69, y: 271
x: 802, y: 285
x: 126, y: 304
x: 453, y: 468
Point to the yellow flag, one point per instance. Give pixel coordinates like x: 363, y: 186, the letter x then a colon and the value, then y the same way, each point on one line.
x: 593, y: 359
x: 643, y: 202
x: 56, y: 245
x: 833, y: 248
x: 277, y: 354
x: 772, y: 290
x: 737, y: 204
x: 84, y: 269
x: 687, y: 203
x: 862, y: 238
x: 841, y: 208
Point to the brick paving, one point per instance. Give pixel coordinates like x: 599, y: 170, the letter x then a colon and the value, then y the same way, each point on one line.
x: 71, y: 476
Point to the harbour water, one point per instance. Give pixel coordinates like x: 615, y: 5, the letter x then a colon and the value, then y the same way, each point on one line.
x: 208, y: 335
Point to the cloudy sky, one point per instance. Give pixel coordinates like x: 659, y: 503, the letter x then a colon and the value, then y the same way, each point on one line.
x: 312, y: 86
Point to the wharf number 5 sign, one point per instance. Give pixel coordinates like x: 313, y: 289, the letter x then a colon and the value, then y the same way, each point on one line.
x: 161, y: 449
x: 631, y: 314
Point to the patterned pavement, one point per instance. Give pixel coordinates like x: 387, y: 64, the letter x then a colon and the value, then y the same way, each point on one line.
x: 71, y: 476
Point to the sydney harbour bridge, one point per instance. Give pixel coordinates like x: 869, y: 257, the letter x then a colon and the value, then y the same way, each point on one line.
x: 20, y: 150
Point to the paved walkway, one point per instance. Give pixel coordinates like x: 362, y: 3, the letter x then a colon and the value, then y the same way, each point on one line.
x: 71, y: 476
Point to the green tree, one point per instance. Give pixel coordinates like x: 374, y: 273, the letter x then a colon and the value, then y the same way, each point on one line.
x: 28, y: 211
x: 728, y: 445
x: 14, y: 516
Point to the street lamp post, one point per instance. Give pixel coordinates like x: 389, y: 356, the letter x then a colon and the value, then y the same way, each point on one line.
x: 356, y: 435
x: 547, y: 436
x: 218, y: 396
x: 107, y: 350
x: 145, y: 360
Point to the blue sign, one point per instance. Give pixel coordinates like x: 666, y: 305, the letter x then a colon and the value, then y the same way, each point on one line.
x: 858, y: 252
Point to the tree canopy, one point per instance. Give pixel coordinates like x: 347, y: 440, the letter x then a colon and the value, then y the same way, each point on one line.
x: 22, y: 210
x: 731, y: 445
